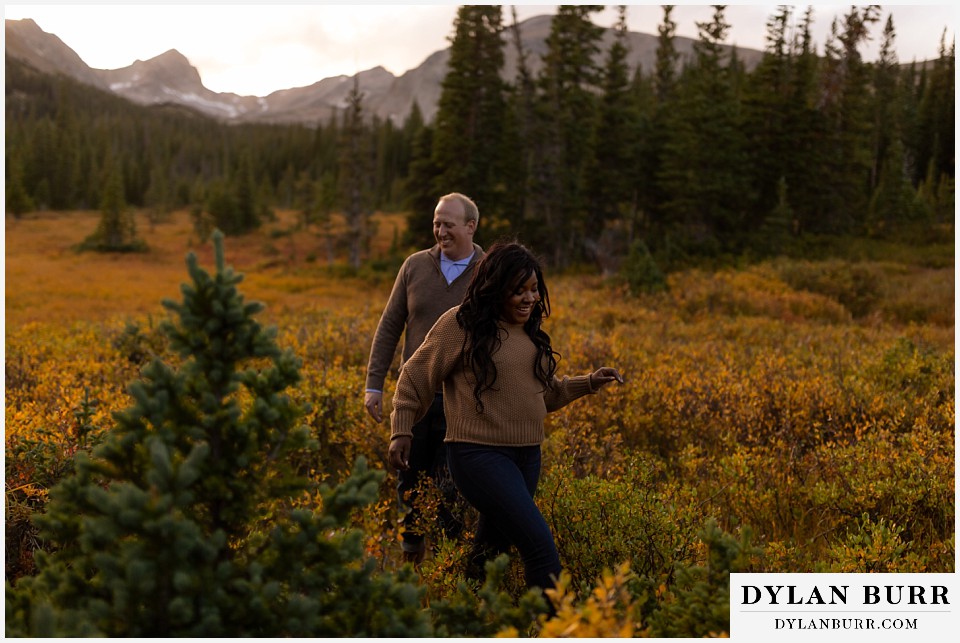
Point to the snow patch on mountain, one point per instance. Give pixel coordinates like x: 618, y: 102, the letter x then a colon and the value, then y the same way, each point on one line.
x: 190, y: 98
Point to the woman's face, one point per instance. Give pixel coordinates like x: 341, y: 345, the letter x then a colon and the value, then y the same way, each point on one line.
x: 518, y: 305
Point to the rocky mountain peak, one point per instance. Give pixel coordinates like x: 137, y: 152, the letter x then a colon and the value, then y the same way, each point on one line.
x: 26, y: 41
x: 170, y: 69
x: 170, y: 78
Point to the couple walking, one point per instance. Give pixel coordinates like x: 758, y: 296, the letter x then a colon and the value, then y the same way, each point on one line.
x: 478, y: 377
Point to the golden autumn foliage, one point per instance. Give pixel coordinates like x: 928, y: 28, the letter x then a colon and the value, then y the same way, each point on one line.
x: 607, y: 611
x: 811, y: 402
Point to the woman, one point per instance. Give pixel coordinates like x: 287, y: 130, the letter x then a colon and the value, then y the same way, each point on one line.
x: 498, y: 372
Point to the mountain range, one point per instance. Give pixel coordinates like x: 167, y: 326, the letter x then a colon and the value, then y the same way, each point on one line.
x: 170, y: 78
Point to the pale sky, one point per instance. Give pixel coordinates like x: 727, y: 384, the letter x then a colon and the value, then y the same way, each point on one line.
x: 255, y: 49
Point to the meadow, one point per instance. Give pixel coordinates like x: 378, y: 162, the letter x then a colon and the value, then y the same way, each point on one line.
x: 798, y: 414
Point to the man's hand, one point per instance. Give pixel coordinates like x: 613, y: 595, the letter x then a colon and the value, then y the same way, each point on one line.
x: 373, y: 400
x: 399, y: 453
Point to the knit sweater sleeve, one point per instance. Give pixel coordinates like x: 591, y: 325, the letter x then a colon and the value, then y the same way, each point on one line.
x: 388, y: 333
x: 423, y: 374
x: 566, y: 390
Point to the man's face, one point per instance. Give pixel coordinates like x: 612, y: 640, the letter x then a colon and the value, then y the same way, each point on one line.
x: 453, y: 233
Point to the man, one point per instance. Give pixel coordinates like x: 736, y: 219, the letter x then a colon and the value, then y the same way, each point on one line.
x: 429, y: 283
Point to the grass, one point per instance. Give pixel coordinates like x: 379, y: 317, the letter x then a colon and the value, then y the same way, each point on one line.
x: 47, y: 280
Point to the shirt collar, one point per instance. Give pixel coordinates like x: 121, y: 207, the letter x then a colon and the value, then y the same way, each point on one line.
x: 462, y: 262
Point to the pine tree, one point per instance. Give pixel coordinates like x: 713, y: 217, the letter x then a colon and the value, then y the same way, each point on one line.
x: 18, y: 200
x: 233, y: 203
x: 221, y: 203
x: 844, y: 171
x: 421, y: 195
x: 894, y: 199
x: 768, y: 107
x: 886, y: 101
x: 389, y: 153
x: 64, y: 167
x: 286, y: 188
x: 162, y: 531
x: 657, y: 129
x: 610, y: 180
x: 304, y: 199
x: 777, y: 227
x: 704, y: 172
x: 157, y: 197
x: 616, y: 128
x: 354, y: 175
x: 805, y: 130
x: 117, y: 230
x: 325, y: 190
x: 936, y: 197
x: 937, y: 119
x: 249, y: 209
x: 325, y: 152
x: 643, y: 157
x: 566, y: 114
x: 665, y: 68
x: 640, y: 270
x: 521, y: 145
x: 468, y: 129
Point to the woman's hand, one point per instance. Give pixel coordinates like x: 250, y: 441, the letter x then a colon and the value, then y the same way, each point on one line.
x: 603, y: 376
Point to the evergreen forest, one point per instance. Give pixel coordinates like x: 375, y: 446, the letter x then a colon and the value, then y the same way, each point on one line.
x: 588, y: 161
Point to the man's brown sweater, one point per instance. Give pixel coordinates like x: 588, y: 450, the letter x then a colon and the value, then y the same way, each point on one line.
x: 420, y: 295
x: 513, y: 411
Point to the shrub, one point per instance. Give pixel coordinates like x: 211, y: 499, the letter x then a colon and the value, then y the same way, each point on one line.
x: 487, y: 610
x: 756, y: 291
x: 873, y: 547
x: 699, y: 604
x: 640, y: 518
x: 854, y: 285
x: 640, y: 270
x: 608, y: 611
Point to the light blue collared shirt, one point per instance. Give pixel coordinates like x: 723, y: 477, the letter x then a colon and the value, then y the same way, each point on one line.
x: 453, y: 269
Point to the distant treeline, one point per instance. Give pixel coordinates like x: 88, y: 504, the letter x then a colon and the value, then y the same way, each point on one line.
x: 585, y: 162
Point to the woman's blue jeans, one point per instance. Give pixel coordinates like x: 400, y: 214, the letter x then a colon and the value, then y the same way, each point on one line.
x: 500, y: 483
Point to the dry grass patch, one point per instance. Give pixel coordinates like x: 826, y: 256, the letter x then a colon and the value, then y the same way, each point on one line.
x: 47, y: 280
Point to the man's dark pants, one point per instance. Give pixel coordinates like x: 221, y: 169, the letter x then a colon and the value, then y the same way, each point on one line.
x: 428, y: 459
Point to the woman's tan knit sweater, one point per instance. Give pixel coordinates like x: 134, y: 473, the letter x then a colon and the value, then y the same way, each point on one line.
x: 513, y: 411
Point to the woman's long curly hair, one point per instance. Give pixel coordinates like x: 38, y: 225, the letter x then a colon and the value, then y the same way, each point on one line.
x: 505, y: 267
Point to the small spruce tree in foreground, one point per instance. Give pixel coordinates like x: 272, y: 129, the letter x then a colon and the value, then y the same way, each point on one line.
x: 159, y: 532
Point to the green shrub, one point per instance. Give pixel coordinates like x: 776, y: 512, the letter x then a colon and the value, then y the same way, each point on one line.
x: 873, y: 547
x: 640, y: 270
x: 855, y: 285
x: 487, y: 610
x: 699, y: 604
x: 598, y: 524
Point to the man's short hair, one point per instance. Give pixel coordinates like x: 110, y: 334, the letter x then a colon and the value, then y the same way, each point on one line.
x: 470, y: 210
